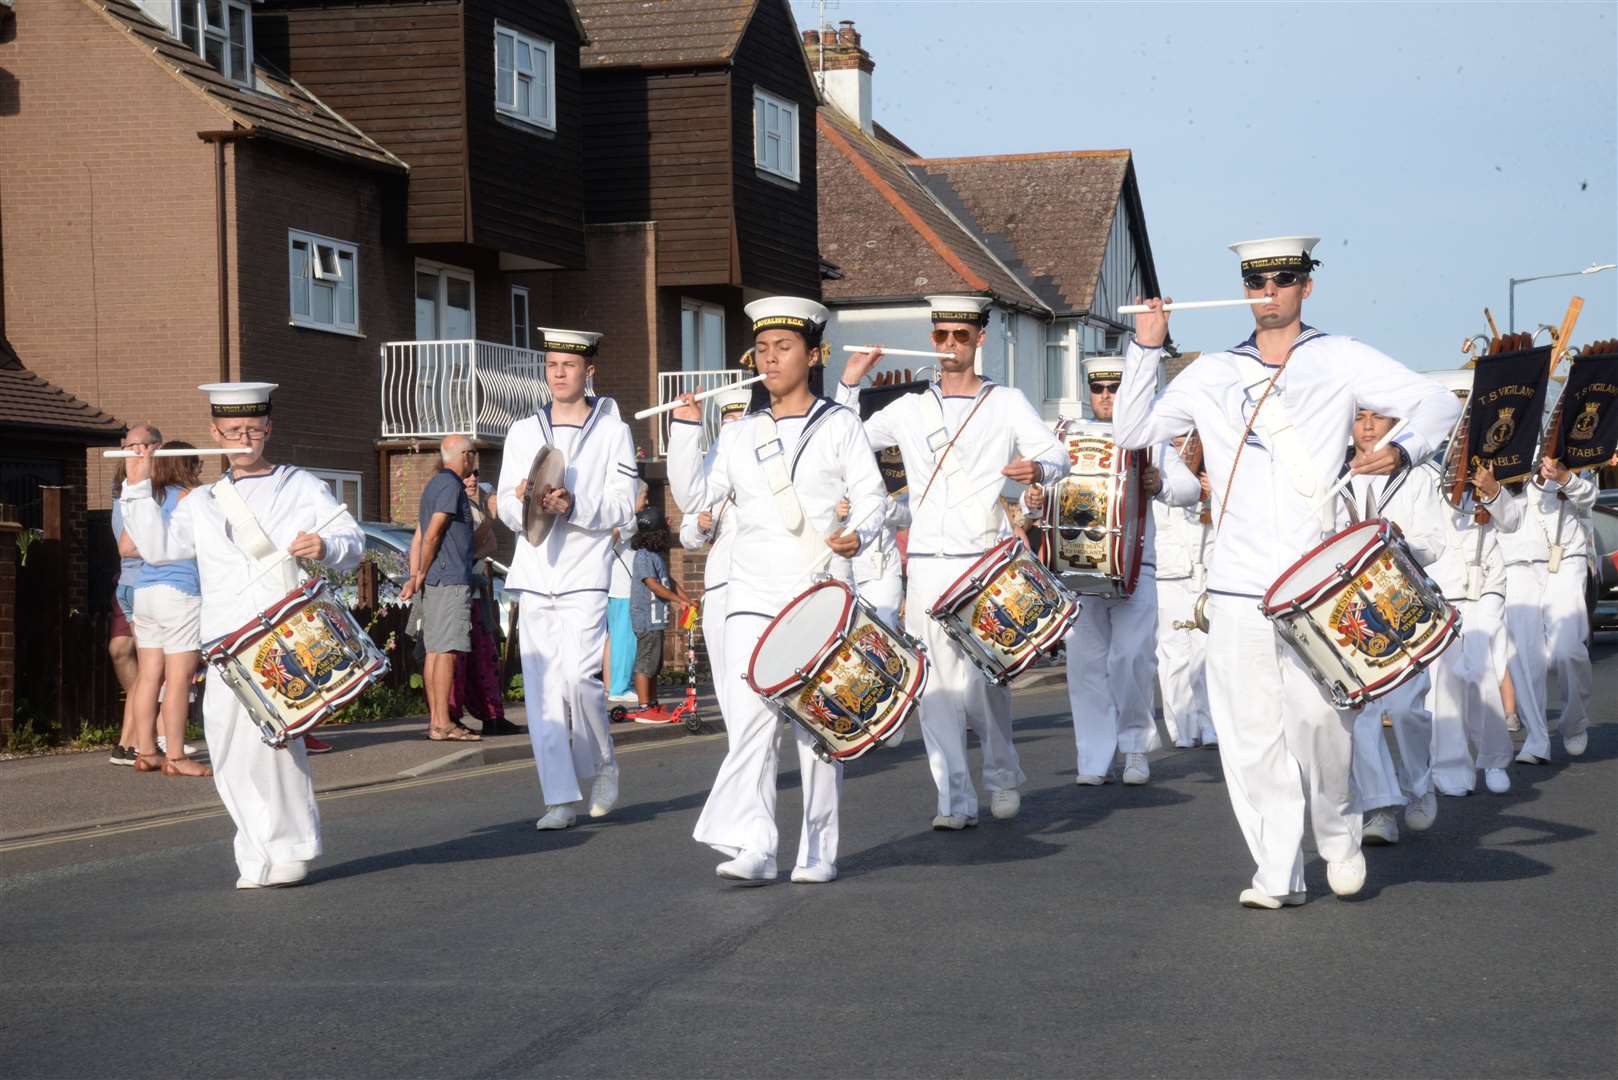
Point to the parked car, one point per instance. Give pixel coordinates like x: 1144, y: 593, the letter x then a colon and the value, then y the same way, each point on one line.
x: 1601, y: 591
x: 387, y: 544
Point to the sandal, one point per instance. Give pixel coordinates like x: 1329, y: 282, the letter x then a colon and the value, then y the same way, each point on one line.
x: 454, y: 734
x: 143, y: 762
x: 184, y: 766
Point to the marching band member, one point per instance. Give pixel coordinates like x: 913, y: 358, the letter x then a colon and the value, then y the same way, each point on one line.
x: 1525, y: 552
x: 1182, y: 574
x: 1267, y: 410
x: 248, y: 518
x: 1111, y: 658
x: 785, y: 466
x: 562, y: 583
x: 960, y: 441
x: 1560, y: 503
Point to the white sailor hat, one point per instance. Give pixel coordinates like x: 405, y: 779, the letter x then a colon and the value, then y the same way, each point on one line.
x: 789, y: 313
x: 239, y: 398
x: 1277, y: 253
x: 1103, y: 367
x: 581, y: 342
x: 1457, y: 381
x: 963, y: 309
x: 732, y: 402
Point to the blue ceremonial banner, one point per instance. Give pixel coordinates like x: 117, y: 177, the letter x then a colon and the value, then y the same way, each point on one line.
x: 1587, y: 416
x: 1506, y: 409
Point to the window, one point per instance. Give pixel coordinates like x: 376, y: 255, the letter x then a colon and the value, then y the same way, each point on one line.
x: 1059, y: 347
x: 519, y: 317
x: 702, y: 336
x: 325, y: 290
x: 345, y: 487
x: 221, y: 31
x: 775, y: 134
x: 444, y: 298
x: 524, y: 77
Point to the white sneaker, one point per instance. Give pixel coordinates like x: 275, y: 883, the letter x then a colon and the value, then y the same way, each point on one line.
x: 1136, y: 771
x: 1381, y: 827
x: 281, y: 876
x: 1347, y: 877
x: 1252, y: 898
x: 748, y: 866
x: 1497, y: 780
x: 1525, y: 758
x: 1005, y: 804
x: 628, y: 697
x: 163, y: 746
x: 604, y: 792
x: 952, y: 822
x: 1210, y: 741
x: 1513, y: 725
x: 557, y: 817
x: 1576, y: 745
x: 1422, y: 812
x: 814, y: 874
x: 1089, y: 780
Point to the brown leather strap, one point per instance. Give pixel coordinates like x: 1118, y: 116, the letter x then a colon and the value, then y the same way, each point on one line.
x: 1224, y: 503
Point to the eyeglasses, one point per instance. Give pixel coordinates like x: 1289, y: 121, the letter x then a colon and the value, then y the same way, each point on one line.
x: 1284, y: 279
x: 961, y: 336
x: 1103, y: 388
x: 249, y: 434
x: 133, y: 445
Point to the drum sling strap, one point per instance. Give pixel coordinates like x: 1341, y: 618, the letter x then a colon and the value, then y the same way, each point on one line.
x: 250, y: 538
x: 772, y: 458
x: 940, y: 442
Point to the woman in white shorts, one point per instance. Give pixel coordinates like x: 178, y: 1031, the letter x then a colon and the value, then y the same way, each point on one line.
x: 168, y: 637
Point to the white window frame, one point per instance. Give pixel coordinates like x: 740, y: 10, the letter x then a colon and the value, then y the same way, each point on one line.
x: 527, y: 313
x: 335, y: 479
x: 203, y: 32
x: 770, y: 145
x: 317, y: 275
x: 541, y: 111
x: 444, y: 271
x: 699, y: 308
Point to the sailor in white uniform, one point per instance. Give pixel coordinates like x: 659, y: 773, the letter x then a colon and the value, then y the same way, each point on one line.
x: 1559, y: 504
x: 1183, y: 535
x: 961, y: 441
x: 238, y: 531
x: 1111, y: 650
x: 785, y: 466
x: 562, y: 582
x: 1273, y: 413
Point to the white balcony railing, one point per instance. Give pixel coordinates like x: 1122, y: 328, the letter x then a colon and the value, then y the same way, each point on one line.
x: 671, y: 384
x: 476, y: 388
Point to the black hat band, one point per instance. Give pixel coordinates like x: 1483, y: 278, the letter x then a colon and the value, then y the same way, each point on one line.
x: 976, y: 318
x: 552, y: 345
x: 250, y: 408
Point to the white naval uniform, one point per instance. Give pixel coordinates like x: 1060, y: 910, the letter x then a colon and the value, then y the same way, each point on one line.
x: 562, y: 590
x: 715, y: 575
x: 1524, y: 553
x: 951, y: 525
x: 1285, y: 749
x: 1182, y: 574
x: 1566, y: 618
x: 1465, y: 697
x: 878, y: 575
x: 1409, y: 499
x: 1111, y: 650
x: 828, y: 458
x: 269, y: 792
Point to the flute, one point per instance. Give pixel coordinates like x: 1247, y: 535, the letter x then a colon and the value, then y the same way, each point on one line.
x: 670, y: 406
x: 1192, y: 305
x: 899, y: 352
x: 202, y: 451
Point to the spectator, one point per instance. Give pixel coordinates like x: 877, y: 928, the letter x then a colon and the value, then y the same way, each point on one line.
x: 650, y: 596
x: 477, y: 687
x: 168, y: 637
x: 442, y: 573
x: 121, y: 641
x: 619, y: 662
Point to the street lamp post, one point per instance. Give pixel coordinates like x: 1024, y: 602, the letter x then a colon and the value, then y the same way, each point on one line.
x: 1511, y: 292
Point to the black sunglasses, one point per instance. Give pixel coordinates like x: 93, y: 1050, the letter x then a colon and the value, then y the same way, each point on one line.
x: 1103, y: 388
x: 1284, y: 279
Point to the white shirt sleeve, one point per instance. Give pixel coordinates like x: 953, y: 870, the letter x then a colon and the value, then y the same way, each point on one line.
x: 866, y: 493
x: 1180, y: 485
x: 515, y: 461
x: 881, y: 429
x: 344, y: 541
x: 691, y: 535
x: 1139, y: 420
x: 612, y: 504
x: 158, y: 541
x: 1035, y: 440
x: 1385, y: 386
x: 699, y: 480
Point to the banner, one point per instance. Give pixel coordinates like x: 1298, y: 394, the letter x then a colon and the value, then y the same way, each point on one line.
x: 1508, y: 409
x: 873, y: 399
x: 1587, y: 415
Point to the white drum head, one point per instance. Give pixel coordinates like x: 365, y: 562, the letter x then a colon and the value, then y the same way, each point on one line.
x: 1309, y: 573
x: 799, y: 634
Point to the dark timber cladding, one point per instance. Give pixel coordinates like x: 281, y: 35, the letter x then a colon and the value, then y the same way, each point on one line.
x: 525, y: 181
x: 397, y: 72
x: 776, y: 221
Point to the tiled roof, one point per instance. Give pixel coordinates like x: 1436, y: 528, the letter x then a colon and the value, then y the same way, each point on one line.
x: 1047, y: 216
x: 1173, y: 365
x: 887, y: 234
x: 281, y: 109
x: 662, y: 33
x: 28, y: 401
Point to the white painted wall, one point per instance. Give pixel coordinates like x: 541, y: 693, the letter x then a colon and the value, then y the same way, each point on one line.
x: 849, y: 89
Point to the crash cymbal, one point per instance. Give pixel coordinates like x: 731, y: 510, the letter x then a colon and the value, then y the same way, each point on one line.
x: 545, y: 473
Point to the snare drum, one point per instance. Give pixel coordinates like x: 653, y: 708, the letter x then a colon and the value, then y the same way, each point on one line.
x: 1095, y: 516
x: 1361, y: 614
x: 829, y: 665
x: 1006, y: 610
x: 297, y: 662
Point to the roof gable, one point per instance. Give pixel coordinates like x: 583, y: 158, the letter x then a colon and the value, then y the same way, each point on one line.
x: 29, y: 402
x: 662, y: 33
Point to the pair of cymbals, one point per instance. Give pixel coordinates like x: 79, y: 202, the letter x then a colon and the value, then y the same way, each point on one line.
x: 544, y: 475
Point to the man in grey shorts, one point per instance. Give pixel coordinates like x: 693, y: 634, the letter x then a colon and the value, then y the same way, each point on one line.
x: 442, y: 573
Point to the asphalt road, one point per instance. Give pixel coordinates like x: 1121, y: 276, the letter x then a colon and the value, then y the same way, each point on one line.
x: 1096, y: 934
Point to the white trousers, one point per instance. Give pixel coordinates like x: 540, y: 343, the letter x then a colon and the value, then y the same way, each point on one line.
x: 740, y: 812
x: 1284, y: 749
x: 1567, y: 636
x: 269, y: 793
x: 1465, y: 701
x: 1181, y: 664
x: 957, y: 695
x: 884, y: 594
x: 1526, y: 651
x: 1110, y: 666
x: 1377, y: 782
x: 562, y: 638
x: 714, y: 606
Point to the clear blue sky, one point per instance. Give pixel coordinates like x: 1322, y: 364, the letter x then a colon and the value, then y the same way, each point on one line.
x: 1440, y: 149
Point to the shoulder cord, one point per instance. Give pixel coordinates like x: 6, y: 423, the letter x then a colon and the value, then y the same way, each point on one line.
x: 939, y: 463
x: 1224, y: 502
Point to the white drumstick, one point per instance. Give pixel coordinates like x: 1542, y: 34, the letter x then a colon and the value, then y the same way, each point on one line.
x: 827, y: 555
x: 285, y: 556
x: 1192, y: 305
x: 1343, y: 481
x: 670, y: 406
x: 201, y: 451
x: 899, y: 352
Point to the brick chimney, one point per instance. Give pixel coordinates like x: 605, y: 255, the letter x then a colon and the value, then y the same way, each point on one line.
x: 848, y: 69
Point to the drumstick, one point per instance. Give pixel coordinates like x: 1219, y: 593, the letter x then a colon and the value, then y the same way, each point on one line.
x: 826, y: 556
x: 1343, y: 482
x: 899, y: 352
x: 274, y: 564
x: 1192, y: 305
x: 670, y: 406
x: 194, y: 452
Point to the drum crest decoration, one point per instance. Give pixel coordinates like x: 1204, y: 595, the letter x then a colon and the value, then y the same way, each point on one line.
x: 1395, y: 618
x: 1014, y: 606
x: 303, y: 655
x: 849, y: 692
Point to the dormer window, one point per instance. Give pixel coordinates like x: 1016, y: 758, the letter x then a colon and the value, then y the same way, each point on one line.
x: 775, y: 135
x: 222, y: 32
x: 524, y: 77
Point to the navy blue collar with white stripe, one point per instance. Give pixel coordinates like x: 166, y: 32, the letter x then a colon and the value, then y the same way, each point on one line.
x: 1250, y: 346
